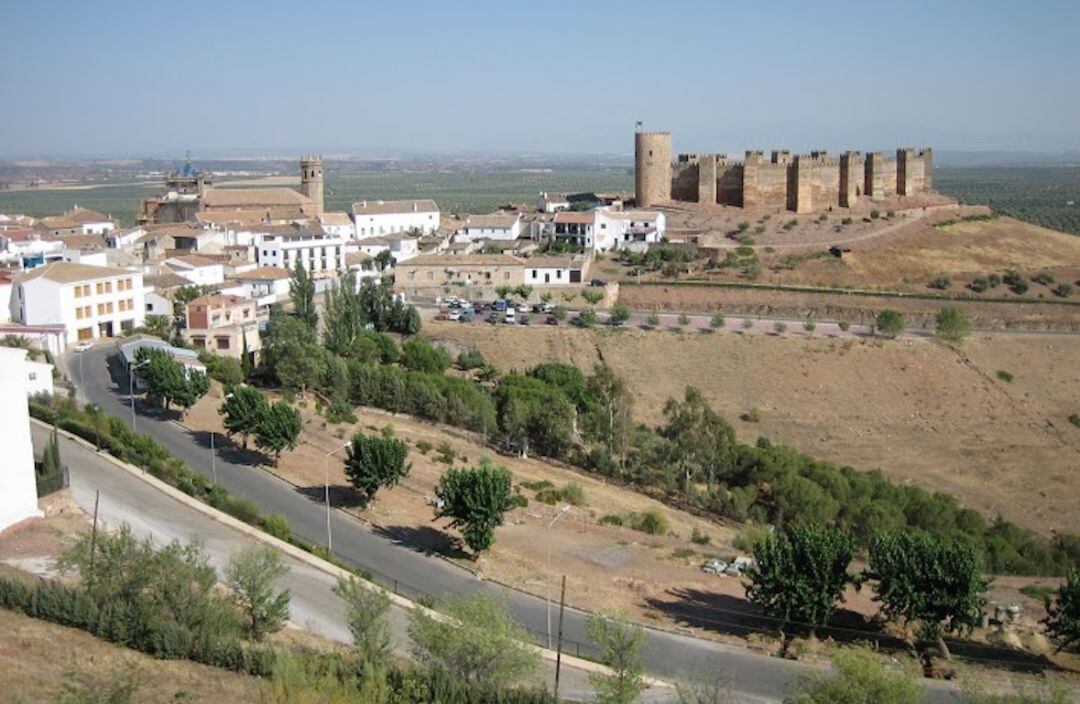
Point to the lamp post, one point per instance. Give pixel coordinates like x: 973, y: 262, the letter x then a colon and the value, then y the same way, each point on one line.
x: 547, y: 578
x: 131, y: 386
x: 326, y: 493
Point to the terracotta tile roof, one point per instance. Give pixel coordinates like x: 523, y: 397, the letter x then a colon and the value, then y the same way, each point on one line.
x: 163, y: 282
x: 543, y: 262
x: 75, y: 217
x: 70, y: 272
x: 252, y: 197
x: 191, y: 260
x: 579, y: 218
x: 83, y: 242
x: 456, y: 260
x: 263, y: 273
x: 502, y: 221
x: 386, y: 207
x: 338, y: 217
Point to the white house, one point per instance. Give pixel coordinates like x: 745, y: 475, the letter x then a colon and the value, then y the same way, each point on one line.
x: 321, y: 254
x: 5, y: 298
x: 25, y: 242
x: 339, y: 224
x: 575, y: 229
x: 79, y: 221
x: 199, y: 270
x: 266, y: 284
x: 121, y: 239
x: 89, y: 301
x: 555, y: 271
x: 159, y: 291
x: 18, y: 488
x: 49, y: 338
x: 39, y: 377
x: 552, y: 202
x: 373, y: 218
x: 606, y: 229
x: 401, y: 247
x: 494, y: 226
x: 636, y: 230
x: 93, y: 257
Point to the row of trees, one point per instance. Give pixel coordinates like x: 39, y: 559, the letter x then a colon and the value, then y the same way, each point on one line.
x: 922, y: 580
x: 950, y: 325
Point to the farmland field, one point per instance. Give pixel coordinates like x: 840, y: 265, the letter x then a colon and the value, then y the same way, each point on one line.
x: 1039, y: 195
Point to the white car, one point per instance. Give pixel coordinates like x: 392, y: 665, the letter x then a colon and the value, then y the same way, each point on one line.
x: 510, y: 315
x: 523, y: 308
x: 84, y: 346
x: 714, y: 567
x: 455, y: 314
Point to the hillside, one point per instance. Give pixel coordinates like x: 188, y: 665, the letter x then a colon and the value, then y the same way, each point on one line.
x: 918, y: 411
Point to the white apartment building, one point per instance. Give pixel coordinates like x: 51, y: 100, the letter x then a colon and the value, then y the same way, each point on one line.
x: 18, y: 490
x: 321, y: 254
x: 402, y: 248
x: 552, y: 202
x: 199, y: 270
x: 337, y: 223
x: 604, y: 229
x: 494, y: 226
x: 375, y: 218
x: 89, y: 301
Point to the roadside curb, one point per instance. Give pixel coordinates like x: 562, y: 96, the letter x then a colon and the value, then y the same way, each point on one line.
x: 304, y: 556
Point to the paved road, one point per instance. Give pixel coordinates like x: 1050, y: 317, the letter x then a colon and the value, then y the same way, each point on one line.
x: 755, y: 677
x: 154, y: 514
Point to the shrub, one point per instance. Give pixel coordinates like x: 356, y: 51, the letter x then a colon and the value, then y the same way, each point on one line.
x: 699, y: 538
x: 717, y: 321
x: 591, y: 296
x: 537, y: 486
x: 470, y: 359
x: 890, y: 322
x: 979, y: 285
x: 419, y: 355
x: 1063, y: 290
x: 424, y: 447
x: 744, y: 226
x: 779, y: 327
x: 753, y: 415
x: 941, y: 283
x: 809, y: 325
x: 747, y: 323
x: 875, y: 214
x: 749, y: 535
x: 1043, y: 278
x: 683, y: 553
x: 845, y: 221
x: 844, y: 325
x: 611, y: 519
x: 1004, y: 375
x: 445, y: 453
x: 952, y: 325
x: 684, y: 319
x: 587, y: 317
x: 277, y: 526
x: 1075, y: 419
x: 993, y: 280
x: 653, y: 319
x: 650, y: 521
x: 858, y: 677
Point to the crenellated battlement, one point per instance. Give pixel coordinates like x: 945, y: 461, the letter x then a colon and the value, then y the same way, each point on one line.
x: 806, y: 182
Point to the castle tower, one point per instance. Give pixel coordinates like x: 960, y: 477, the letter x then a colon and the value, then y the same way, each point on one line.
x: 311, y: 179
x: 851, y: 178
x: 906, y: 176
x: 652, y: 168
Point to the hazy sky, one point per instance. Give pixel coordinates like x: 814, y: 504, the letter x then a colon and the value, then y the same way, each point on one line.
x: 156, y: 78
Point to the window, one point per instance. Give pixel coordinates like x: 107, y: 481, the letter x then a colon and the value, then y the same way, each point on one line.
x: 78, y: 292
x: 98, y: 288
x: 100, y: 308
x: 506, y: 275
x: 109, y: 307
x: 223, y: 343
x: 79, y: 313
x: 108, y: 287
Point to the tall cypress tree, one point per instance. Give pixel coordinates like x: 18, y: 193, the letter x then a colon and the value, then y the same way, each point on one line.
x: 302, y: 294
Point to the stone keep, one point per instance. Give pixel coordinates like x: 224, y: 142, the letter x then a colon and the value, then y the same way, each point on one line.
x: 652, y: 168
x: 18, y: 491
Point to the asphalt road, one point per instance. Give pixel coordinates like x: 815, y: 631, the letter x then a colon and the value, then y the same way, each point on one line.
x: 754, y: 677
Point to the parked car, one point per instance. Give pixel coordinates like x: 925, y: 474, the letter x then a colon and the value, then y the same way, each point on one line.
x: 499, y: 305
x: 492, y: 318
x: 510, y: 315
x: 716, y: 567
x: 538, y: 308
x: 467, y: 316
x: 524, y: 320
x: 442, y: 315
x: 523, y: 308
x: 84, y: 346
x: 552, y: 320
x: 598, y: 282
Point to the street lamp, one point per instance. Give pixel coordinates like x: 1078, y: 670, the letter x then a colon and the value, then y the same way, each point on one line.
x: 326, y: 493
x: 547, y: 578
x: 131, y: 386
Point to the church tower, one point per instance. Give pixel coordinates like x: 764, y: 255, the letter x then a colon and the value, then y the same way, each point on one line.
x: 311, y: 179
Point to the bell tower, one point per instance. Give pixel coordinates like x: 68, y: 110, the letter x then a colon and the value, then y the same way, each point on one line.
x: 311, y: 179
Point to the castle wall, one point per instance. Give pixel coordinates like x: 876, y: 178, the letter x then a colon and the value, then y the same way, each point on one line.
x: 802, y: 183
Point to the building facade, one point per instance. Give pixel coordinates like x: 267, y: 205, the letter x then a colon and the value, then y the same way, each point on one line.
x: 320, y: 254
x: 374, y: 218
x: 225, y: 325
x: 18, y: 488
x: 89, y: 301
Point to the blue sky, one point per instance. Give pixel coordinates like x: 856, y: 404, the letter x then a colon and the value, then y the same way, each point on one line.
x: 155, y: 78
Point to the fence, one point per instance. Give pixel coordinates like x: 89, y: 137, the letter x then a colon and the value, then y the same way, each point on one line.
x: 52, y: 482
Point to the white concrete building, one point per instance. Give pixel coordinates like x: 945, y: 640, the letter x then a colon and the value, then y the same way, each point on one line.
x: 322, y: 255
x: 266, y: 284
x: 199, y: 270
x: 121, y: 239
x: 555, y: 271
x: 374, y: 218
x: 494, y: 226
x: 552, y: 202
x: 402, y: 248
x: 39, y: 377
x: 28, y: 243
x: 338, y: 223
x: 636, y: 230
x: 5, y: 298
x: 18, y: 488
x: 606, y: 229
x: 79, y: 221
x: 89, y: 301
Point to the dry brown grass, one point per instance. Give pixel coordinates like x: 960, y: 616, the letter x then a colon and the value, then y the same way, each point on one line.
x: 919, y: 411
x: 37, y: 658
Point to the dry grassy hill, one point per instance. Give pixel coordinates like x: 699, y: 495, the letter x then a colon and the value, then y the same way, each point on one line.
x: 920, y: 412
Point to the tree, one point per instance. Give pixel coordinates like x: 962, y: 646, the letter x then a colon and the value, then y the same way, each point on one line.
x: 50, y: 458
x: 422, y: 356
x: 1063, y: 615
x: 373, y: 462
x: 158, y: 325
x: 524, y: 291
x: 717, y: 321
x: 251, y: 576
x: 705, y: 686
x: 503, y: 291
x: 620, y: 644
x: 475, y: 501
x: 591, y: 296
x: 890, y: 322
x: 620, y: 314
x: 279, y: 429
x: 383, y: 260
x: 292, y: 355
x: 857, y: 678
x: 302, y: 295
x: 701, y: 443
x: 366, y: 608
x: 343, y: 320
x: 244, y: 409
x: 952, y: 326
x: 587, y: 317
x: 194, y: 386
x: 925, y: 579
x: 168, y: 380
x: 479, y: 642
x: 800, y: 574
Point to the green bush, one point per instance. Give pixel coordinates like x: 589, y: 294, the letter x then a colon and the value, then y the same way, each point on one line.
x: 699, y: 538
x: 611, y: 519
x: 470, y: 359
x: 1004, y: 375
x: 537, y: 486
x: 424, y: 447
x: 650, y: 521
x: 277, y: 526
x: 1075, y: 419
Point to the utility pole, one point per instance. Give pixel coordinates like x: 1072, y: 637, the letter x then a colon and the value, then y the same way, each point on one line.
x: 93, y: 532
x: 558, y: 653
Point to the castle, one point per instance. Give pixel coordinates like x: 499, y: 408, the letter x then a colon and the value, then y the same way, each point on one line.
x: 190, y: 195
x: 802, y: 183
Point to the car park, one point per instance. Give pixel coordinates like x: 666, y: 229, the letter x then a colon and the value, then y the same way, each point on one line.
x: 510, y: 315
x: 523, y: 308
x: 467, y: 316
x: 492, y: 318
x: 499, y: 305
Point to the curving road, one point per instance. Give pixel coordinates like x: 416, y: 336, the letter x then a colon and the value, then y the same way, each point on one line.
x: 755, y: 677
